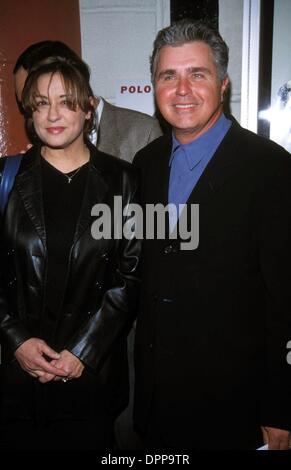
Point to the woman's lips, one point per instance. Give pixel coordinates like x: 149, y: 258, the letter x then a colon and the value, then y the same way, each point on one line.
x: 55, y: 130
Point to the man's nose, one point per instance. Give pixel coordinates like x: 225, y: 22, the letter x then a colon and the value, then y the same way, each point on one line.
x: 183, y: 86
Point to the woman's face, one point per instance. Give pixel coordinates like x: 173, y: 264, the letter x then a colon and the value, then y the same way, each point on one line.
x: 55, y: 123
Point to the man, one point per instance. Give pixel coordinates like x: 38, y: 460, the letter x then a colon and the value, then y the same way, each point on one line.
x: 120, y: 132
x: 214, y: 322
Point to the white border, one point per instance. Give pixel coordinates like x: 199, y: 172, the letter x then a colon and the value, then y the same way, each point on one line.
x: 250, y: 64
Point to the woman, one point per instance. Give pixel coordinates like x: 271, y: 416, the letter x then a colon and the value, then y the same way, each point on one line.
x: 67, y: 300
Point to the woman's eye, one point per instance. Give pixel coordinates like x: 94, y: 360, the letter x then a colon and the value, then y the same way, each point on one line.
x: 41, y: 103
x: 66, y: 103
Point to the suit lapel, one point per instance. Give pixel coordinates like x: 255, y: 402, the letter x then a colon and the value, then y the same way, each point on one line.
x: 160, y: 174
x: 108, y: 140
x: 223, y: 165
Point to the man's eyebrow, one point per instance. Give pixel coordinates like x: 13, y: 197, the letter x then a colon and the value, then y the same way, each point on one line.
x: 191, y: 69
x: 166, y: 72
x: 198, y: 69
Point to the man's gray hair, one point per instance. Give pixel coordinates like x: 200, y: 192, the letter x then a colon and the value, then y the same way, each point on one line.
x: 185, y: 31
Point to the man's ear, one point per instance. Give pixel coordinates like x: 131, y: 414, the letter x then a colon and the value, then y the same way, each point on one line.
x: 224, y: 86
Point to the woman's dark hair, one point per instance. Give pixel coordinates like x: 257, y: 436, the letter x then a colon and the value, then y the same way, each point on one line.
x: 75, y: 82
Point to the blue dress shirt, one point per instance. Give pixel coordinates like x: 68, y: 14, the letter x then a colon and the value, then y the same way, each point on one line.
x: 188, y: 162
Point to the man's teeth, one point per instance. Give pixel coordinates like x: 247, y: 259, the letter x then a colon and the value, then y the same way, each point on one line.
x: 184, y: 105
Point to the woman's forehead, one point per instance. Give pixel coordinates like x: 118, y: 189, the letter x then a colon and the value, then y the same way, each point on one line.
x: 54, y: 83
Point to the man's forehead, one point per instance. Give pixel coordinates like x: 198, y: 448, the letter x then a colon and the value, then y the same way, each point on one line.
x: 192, y: 54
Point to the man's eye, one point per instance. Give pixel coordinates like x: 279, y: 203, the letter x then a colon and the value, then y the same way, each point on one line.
x: 198, y: 75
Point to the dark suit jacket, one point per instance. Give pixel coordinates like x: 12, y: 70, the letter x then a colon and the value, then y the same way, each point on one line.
x: 214, y: 322
x: 123, y: 132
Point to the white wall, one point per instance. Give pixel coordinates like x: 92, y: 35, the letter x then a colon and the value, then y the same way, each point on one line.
x: 230, y: 27
x: 117, y: 38
x: 281, y: 66
x: 280, y: 117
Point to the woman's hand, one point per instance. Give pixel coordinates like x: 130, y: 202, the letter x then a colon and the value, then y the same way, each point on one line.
x: 35, y: 357
x: 69, y: 363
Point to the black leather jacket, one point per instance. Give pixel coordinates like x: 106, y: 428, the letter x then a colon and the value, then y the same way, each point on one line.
x: 102, y: 283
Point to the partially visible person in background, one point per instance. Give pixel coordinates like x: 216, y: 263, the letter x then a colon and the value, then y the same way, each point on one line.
x: 67, y: 300
x: 280, y: 117
x: 119, y: 132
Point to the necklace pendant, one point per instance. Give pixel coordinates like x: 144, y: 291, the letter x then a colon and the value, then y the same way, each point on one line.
x: 69, y: 179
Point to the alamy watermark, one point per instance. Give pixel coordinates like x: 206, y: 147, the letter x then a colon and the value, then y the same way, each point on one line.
x: 149, y: 223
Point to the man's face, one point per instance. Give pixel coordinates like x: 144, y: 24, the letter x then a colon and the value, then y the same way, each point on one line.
x: 19, y: 81
x: 188, y: 89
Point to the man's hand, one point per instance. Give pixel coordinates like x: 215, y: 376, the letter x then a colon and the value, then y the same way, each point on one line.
x: 33, y: 357
x: 277, y: 439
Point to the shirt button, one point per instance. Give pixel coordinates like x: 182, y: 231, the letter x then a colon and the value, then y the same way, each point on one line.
x: 168, y: 249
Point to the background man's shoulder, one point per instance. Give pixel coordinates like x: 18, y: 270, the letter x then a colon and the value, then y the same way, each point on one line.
x: 131, y: 114
x: 131, y: 119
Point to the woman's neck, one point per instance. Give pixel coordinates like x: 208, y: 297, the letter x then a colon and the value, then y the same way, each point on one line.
x: 66, y: 160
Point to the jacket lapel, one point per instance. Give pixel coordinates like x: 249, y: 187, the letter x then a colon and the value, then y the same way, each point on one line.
x: 161, y: 172
x: 28, y: 185
x: 95, y: 192
x: 223, y: 165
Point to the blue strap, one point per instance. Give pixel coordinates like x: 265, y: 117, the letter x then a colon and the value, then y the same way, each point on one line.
x: 10, y: 170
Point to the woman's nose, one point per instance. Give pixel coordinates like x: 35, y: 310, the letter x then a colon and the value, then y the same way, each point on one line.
x: 53, y: 113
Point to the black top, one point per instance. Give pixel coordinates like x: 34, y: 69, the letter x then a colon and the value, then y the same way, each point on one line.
x: 62, y: 199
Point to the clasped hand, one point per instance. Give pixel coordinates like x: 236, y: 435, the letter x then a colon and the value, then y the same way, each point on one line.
x: 40, y: 361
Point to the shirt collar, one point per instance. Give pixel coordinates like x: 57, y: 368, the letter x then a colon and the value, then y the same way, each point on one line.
x: 196, y: 150
x: 98, y: 113
x: 99, y: 110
